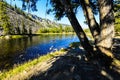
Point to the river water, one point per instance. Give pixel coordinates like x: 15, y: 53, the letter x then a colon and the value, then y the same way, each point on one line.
x: 17, y: 51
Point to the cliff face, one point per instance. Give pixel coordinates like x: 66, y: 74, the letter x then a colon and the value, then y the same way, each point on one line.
x: 22, y: 23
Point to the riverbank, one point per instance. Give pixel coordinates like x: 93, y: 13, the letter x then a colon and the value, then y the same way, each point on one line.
x: 56, y: 33
x: 66, y: 64
x: 24, y: 71
x: 12, y: 36
x: 30, y: 35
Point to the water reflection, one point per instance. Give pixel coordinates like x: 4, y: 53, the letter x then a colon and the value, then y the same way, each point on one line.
x: 17, y: 51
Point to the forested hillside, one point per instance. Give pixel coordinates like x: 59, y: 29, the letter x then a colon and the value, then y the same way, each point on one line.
x: 14, y: 21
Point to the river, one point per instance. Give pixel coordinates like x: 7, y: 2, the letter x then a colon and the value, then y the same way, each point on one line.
x: 18, y: 51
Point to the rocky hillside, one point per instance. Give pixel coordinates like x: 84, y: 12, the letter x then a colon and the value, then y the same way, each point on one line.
x: 23, y: 23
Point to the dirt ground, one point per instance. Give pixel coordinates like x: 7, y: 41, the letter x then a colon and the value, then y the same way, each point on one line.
x: 75, y: 66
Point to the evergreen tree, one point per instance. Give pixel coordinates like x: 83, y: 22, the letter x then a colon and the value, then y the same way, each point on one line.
x: 24, y: 30
x: 61, y: 29
x: 102, y: 33
x: 117, y: 16
x: 4, y: 19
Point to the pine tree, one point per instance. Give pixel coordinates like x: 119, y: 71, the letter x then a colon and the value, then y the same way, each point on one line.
x: 4, y: 19
x: 117, y: 16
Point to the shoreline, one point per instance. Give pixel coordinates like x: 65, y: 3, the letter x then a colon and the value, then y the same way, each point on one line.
x: 40, y: 64
x: 28, y: 35
x: 31, y: 67
x: 44, y: 64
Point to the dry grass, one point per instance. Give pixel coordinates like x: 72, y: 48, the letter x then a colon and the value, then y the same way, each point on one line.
x: 26, y: 70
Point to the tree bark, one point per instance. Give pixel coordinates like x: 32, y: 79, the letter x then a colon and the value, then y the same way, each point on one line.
x: 92, y: 23
x: 77, y: 27
x: 106, y: 26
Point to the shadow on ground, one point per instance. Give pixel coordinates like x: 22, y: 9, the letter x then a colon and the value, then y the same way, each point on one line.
x: 75, y: 66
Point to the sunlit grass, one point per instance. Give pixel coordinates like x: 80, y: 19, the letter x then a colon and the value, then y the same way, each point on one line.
x: 16, y: 36
x: 12, y: 36
x: 28, y: 65
x: 1, y: 37
x: 56, y: 33
x: 116, y: 62
x: 75, y: 44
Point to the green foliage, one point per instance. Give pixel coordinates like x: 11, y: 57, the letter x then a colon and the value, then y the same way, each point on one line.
x: 61, y: 29
x: 75, y: 44
x: 88, y: 33
x: 16, y: 36
x: 117, y: 25
x: 4, y: 19
x: 53, y: 29
x: 58, y: 8
x: 18, y: 10
x: 43, y: 30
x: 116, y: 6
x: 68, y: 29
x: 86, y: 30
x: 117, y: 16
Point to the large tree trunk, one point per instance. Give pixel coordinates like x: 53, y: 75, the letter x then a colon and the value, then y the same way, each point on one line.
x: 77, y: 28
x: 106, y: 26
x: 80, y: 33
x: 92, y: 23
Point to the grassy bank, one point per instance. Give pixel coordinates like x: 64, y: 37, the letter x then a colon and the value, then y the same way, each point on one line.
x: 37, y: 34
x: 25, y: 69
x: 54, y: 29
x: 57, y: 33
x: 12, y: 36
x: 42, y: 64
